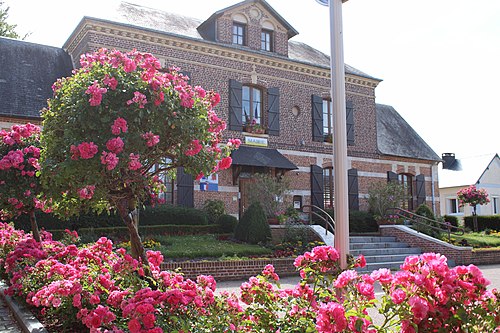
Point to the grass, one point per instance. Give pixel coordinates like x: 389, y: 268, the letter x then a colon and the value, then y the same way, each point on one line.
x: 479, y: 240
x: 206, y: 246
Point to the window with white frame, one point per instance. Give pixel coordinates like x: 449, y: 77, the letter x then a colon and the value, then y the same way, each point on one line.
x: 495, y: 203
x: 453, y: 206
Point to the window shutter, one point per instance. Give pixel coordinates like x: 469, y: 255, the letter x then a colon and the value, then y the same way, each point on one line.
x: 273, y: 99
x: 317, y: 198
x: 188, y: 74
x: 235, y: 113
x: 392, y: 177
x: 317, y: 118
x: 185, y: 188
x: 420, y: 185
x: 350, y: 122
x: 353, y: 190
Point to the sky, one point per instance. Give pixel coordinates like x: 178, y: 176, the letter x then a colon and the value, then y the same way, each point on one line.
x: 439, y: 60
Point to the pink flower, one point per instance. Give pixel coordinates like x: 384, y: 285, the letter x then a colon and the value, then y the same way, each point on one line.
x: 109, y: 159
x: 398, y: 296
x: 110, y: 82
x: 85, y: 150
x: 134, y: 163
x: 225, y: 163
x: 419, y: 308
x: 345, y: 277
x: 119, y: 126
x: 87, y: 192
x: 139, y: 99
x: 151, y: 139
x: 194, y: 148
x: 115, y: 145
x: 96, y: 93
x: 331, y: 318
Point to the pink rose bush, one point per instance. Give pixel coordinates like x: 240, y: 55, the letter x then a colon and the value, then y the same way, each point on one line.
x: 115, y: 127
x: 104, y: 289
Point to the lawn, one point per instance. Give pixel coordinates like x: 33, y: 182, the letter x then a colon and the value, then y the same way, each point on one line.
x: 479, y: 239
x: 204, y: 246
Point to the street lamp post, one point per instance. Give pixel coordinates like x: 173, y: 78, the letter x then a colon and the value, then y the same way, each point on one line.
x: 341, y: 199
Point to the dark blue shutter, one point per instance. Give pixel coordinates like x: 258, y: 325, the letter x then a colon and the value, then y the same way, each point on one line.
x: 185, y: 188
x: 317, y: 192
x: 235, y: 113
x: 420, y: 186
x: 273, y: 100
x: 353, y: 190
x: 317, y: 118
x: 350, y: 122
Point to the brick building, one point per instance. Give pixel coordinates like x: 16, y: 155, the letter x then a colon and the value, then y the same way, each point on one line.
x: 246, y: 53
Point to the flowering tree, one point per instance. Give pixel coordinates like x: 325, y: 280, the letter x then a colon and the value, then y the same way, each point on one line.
x: 472, y: 196
x: 115, y: 124
x: 19, y: 182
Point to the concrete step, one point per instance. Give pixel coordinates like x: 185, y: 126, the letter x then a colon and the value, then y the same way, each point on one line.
x: 408, y: 251
x: 386, y: 258
x: 371, y: 239
x: 381, y: 245
x: 370, y: 267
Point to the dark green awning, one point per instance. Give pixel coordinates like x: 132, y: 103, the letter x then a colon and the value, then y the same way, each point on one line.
x: 261, y: 157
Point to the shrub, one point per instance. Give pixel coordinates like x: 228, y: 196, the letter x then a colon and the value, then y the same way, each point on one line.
x: 269, y: 192
x: 453, y: 220
x: 382, y: 196
x: 214, y: 209
x: 484, y: 221
x: 424, y: 210
x: 360, y: 221
x: 227, y: 223
x: 253, y: 227
x: 173, y: 215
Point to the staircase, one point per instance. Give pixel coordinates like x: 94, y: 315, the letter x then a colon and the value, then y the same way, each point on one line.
x: 381, y: 252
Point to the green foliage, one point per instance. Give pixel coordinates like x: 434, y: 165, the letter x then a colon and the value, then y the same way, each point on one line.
x: 478, y: 240
x: 269, y: 192
x: 484, y: 221
x: 382, y: 196
x: 253, y: 227
x: 214, y: 209
x: 116, y: 118
x: 453, y: 220
x: 158, y: 215
x: 424, y: 210
x: 227, y: 223
x: 360, y: 221
x: 6, y: 29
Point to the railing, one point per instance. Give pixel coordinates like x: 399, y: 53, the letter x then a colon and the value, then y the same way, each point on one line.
x: 420, y: 220
x: 322, y: 215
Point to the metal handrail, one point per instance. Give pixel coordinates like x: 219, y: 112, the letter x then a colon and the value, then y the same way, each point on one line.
x: 327, y: 218
x: 423, y: 220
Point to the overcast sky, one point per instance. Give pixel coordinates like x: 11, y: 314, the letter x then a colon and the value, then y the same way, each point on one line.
x: 439, y: 59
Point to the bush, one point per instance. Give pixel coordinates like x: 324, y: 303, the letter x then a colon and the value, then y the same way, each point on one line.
x: 453, y: 220
x: 158, y: 215
x: 382, y: 196
x: 484, y: 221
x: 424, y: 210
x: 214, y: 209
x: 253, y: 227
x: 227, y: 223
x: 360, y: 221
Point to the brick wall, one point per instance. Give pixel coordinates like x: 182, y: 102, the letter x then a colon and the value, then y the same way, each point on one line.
x: 487, y: 257
x: 232, y: 269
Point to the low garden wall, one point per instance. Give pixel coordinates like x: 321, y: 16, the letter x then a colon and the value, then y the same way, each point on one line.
x: 459, y: 254
x: 232, y: 269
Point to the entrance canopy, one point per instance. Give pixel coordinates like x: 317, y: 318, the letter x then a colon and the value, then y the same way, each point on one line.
x: 261, y: 157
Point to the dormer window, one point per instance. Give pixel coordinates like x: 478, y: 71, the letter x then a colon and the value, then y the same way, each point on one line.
x: 239, y: 30
x: 266, y: 40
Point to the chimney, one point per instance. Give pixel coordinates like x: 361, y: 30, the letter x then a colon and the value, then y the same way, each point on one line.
x: 448, y: 160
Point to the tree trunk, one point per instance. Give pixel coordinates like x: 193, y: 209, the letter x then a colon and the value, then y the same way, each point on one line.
x: 474, y: 219
x: 34, y: 226
x: 130, y: 215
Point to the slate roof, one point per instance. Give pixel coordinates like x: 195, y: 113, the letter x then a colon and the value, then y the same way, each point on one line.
x: 183, y: 26
x: 467, y: 171
x: 395, y: 137
x: 27, y: 72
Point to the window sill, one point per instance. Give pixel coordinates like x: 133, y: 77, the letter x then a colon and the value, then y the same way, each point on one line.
x: 262, y: 135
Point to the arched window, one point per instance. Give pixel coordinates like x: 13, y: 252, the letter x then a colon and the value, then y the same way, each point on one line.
x: 251, y: 105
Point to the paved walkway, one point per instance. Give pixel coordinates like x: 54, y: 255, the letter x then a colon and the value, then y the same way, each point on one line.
x: 7, y: 322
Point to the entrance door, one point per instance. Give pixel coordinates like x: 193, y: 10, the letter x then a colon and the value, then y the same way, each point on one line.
x: 244, y: 194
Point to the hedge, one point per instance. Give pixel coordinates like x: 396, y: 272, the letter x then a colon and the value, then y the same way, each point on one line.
x: 491, y: 222
x: 147, y: 231
x: 159, y: 215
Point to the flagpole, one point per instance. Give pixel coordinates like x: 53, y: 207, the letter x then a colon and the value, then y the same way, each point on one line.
x: 341, y: 197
